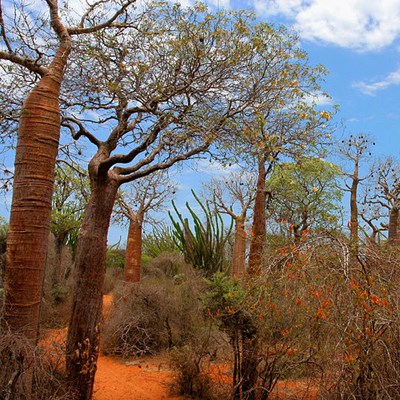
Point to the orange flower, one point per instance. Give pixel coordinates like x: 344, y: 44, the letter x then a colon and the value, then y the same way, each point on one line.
x: 349, y: 358
x: 292, y: 351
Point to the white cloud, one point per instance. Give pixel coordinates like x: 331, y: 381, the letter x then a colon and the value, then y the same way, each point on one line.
x: 392, y: 79
x: 363, y: 25
x: 220, y: 3
x: 215, y: 168
x: 183, y: 3
x: 319, y: 99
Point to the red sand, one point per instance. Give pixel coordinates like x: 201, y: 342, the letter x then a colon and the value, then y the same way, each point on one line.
x: 149, y: 377
x: 147, y: 380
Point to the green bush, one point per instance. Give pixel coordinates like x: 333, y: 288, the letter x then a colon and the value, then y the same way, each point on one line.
x: 204, y: 246
x: 115, y: 258
x: 159, y: 241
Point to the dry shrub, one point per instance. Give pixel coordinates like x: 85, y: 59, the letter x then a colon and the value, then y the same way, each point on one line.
x: 113, y: 276
x: 55, y: 309
x: 358, y: 350
x: 166, y: 265
x: 199, y: 366
x: 158, y: 313
x: 191, y: 377
x: 20, y: 361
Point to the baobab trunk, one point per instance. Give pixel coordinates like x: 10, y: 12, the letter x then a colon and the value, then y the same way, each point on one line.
x: 133, y: 256
x: 259, y: 231
x: 29, y: 228
x: 239, y: 248
x: 83, y: 331
x: 257, y: 246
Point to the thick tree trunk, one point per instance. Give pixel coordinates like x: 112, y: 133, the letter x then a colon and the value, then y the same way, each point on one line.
x: 239, y: 248
x: 393, y: 226
x: 133, y: 257
x: 83, y: 332
x: 259, y: 231
x: 29, y: 228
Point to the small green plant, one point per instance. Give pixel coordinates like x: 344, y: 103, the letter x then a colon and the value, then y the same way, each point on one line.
x: 160, y: 240
x: 204, y: 245
x: 115, y: 258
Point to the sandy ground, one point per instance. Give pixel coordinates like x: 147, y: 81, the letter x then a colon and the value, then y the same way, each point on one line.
x: 149, y: 378
x: 140, y: 380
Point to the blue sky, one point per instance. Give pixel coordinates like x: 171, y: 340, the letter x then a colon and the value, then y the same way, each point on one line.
x: 358, y: 41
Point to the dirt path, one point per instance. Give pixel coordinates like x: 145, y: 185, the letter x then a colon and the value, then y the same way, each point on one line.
x: 148, y: 378
x: 140, y: 380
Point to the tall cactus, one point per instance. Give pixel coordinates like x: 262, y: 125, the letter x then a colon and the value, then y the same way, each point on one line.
x: 204, y: 245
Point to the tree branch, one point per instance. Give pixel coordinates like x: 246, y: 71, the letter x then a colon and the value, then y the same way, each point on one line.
x: 24, y: 62
x: 129, y: 177
x: 127, y: 158
x: 3, y: 30
x: 80, y: 29
x: 81, y: 132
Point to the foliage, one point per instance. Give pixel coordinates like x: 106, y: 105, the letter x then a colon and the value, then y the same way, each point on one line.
x: 159, y: 240
x: 224, y: 295
x: 69, y: 199
x: 115, y: 258
x: 204, y: 247
x: 305, y: 195
x: 3, y: 234
x: 159, y: 313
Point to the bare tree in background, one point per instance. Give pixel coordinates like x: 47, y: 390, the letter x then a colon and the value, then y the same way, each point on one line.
x: 134, y: 203
x: 382, y: 200
x: 354, y: 149
x: 234, y: 195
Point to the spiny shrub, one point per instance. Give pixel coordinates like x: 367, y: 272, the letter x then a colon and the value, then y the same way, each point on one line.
x: 155, y: 314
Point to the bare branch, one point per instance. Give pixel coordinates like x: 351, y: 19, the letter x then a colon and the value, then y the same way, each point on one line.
x: 82, y: 131
x: 3, y: 31
x: 127, y: 158
x: 126, y: 177
x: 80, y: 29
x: 24, y: 62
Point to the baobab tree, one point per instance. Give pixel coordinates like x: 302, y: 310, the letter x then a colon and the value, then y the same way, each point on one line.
x: 142, y: 196
x: 164, y: 92
x: 382, y: 199
x: 305, y: 195
x: 37, y: 40
x: 234, y: 195
x: 290, y: 129
x: 354, y: 150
